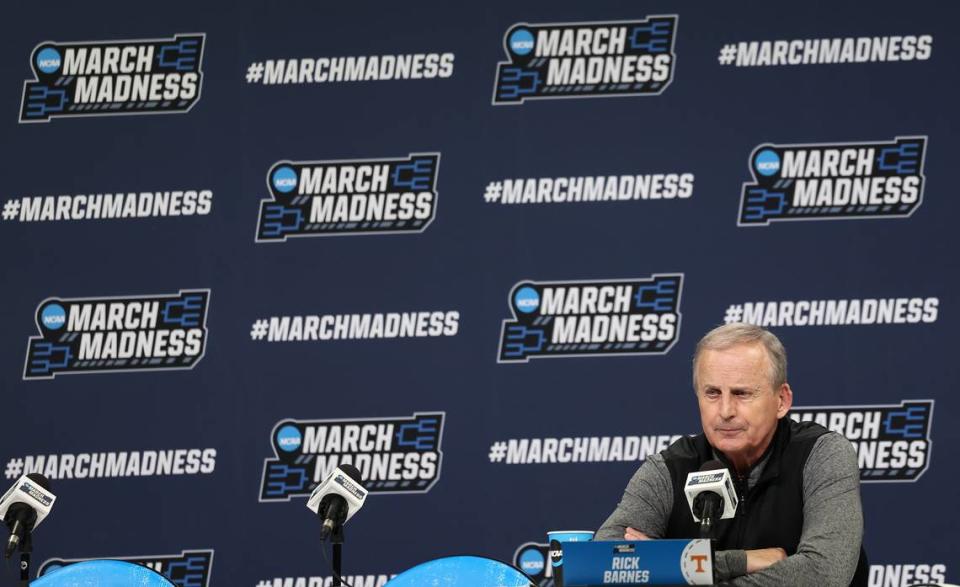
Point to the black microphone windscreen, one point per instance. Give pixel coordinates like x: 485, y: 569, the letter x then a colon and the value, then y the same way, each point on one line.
x: 709, y: 465
x: 352, y: 472
x: 40, y: 480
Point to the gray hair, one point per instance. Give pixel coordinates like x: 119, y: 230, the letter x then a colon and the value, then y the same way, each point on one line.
x: 728, y: 335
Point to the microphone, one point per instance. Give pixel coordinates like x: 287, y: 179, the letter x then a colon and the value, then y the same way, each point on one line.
x: 23, y: 507
x: 338, y: 498
x: 709, y: 491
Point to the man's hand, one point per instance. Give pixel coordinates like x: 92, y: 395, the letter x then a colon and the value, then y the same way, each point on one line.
x: 757, y: 560
x: 632, y: 534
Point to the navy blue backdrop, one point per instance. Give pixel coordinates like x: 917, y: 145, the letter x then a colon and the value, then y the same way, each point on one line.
x: 229, y: 514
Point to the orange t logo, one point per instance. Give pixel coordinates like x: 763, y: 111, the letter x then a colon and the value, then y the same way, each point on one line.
x: 699, y: 558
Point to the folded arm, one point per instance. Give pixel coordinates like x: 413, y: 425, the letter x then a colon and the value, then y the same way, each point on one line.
x: 829, y: 545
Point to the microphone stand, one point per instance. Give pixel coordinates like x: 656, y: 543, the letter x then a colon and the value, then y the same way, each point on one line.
x: 26, y: 547
x: 336, y: 538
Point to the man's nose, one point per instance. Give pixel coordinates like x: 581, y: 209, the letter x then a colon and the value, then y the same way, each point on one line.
x: 728, y: 408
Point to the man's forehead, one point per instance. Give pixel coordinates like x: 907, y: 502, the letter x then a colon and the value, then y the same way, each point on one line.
x: 748, y: 363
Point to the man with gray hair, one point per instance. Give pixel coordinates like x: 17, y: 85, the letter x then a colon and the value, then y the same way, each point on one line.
x: 799, y: 521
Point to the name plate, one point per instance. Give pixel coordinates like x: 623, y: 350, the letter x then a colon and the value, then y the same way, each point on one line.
x: 623, y: 562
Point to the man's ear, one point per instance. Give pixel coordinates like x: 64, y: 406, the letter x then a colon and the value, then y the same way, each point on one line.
x: 785, y: 400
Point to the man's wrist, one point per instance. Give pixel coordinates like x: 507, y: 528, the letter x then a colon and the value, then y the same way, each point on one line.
x: 730, y: 564
x: 761, y: 558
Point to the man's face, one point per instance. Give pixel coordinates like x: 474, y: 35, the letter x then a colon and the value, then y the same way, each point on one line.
x: 738, y: 406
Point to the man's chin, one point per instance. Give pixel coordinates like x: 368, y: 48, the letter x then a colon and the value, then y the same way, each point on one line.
x: 726, y: 445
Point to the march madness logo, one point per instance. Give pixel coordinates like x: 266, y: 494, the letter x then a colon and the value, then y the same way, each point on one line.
x: 892, y: 441
x: 344, y: 197
x: 109, y: 78
x: 592, y: 318
x: 139, y: 333
x: 190, y: 568
x: 586, y: 60
x: 394, y: 455
x: 834, y: 181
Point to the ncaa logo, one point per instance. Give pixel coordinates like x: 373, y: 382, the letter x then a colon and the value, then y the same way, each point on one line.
x: 289, y: 438
x: 285, y: 179
x: 532, y: 561
x: 48, y: 60
x: 53, y: 317
x: 767, y: 162
x: 521, y: 42
x: 526, y: 299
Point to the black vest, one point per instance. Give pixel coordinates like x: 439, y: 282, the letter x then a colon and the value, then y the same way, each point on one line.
x: 770, y: 514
